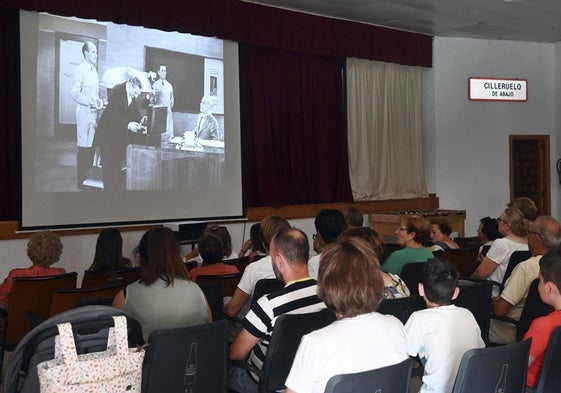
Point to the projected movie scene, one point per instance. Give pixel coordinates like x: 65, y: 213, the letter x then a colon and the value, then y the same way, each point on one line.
x: 126, y: 124
x: 133, y: 109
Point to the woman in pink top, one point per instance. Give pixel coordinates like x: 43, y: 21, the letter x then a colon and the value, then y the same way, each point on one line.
x: 211, y: 249
x: 44, y: 249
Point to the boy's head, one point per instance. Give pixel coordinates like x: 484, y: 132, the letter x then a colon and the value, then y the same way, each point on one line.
x: 440, y: 282
x: 550, y: 276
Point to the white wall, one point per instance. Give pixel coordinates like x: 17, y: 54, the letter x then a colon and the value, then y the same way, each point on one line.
x: 467, y: 141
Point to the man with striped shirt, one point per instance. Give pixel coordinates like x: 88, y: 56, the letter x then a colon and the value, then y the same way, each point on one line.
x: 289, y: 252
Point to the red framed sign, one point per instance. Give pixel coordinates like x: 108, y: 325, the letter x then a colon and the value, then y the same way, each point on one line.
x: 497, y: 89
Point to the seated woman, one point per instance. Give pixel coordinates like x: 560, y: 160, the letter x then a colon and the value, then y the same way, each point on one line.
x: 513, y: 227
x: 350, y: 284
x: 254, y: 243
x: 440, y: 236
x: 394, y: 287
x: 211, y: 250
x: 412, y: 233
x: 164, y: 297
x: 108, y: 258
x: 487, y: 232
x: 44, y: 249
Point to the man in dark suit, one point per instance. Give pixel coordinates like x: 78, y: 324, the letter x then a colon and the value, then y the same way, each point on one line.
x: 120, y: 117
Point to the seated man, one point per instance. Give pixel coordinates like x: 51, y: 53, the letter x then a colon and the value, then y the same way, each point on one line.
x: 257, y: 270
x: 289, y: 254
x: 329, y: 224
x: 544, y: 233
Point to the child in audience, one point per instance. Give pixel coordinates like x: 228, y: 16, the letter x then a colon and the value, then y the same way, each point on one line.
x: 211, y: 250
x: 541, y: 328
x: 441, y: 334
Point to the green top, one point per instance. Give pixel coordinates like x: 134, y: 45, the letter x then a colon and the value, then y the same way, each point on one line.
x: 395, y: 261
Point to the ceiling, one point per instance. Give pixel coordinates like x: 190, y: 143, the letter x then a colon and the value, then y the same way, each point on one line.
x: 517, y: 20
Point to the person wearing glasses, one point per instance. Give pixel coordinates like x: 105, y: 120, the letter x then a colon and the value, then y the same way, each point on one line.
x: 514, y: 228
x: 413, y: 232
x: 544, y: 233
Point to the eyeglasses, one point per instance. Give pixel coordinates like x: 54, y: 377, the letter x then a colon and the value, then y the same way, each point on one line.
x: 400, y: 228
x: 501, y: 220
x: 534, y: 232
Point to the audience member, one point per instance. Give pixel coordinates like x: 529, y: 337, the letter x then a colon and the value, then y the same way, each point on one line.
x: 541, y: 328
x: 224, y: 235
x: 329, y: 224
x: 351, y: 285
x: 440, y: 235
x: 412, y: 232
x: 526, y: 206
x: 441, y: 334
x: 257, y: 270
x: 544, y: 233
x: 487, y: 232
x: 211, y: 250
x: 108, y: 258
x: 43, y: 249
x: 140, y: 252
x: 354, y: 217
x: 514, y: 229
x: 394, y: 287
x: 254, y: 243
x: 289, y: 254
x: 164, y: 297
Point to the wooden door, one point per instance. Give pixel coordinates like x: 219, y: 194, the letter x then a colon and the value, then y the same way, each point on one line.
x: 529, y: 170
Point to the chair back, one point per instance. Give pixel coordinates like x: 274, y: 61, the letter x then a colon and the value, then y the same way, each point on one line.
x: 515, y: 258
x: 463, y: 259
x: 394, y: 379
x: 287, y: 333
x: 402, y: 308
x: 550, y: 375
x: 32, y: 295
x: 188, y: 359
x: 67, y: 299
x: 533, y: 308
x: 215, y: 298
x: 123, y: 277
x: 467, y: 242
x: 229, y: 281
x: 240, y: 263
x: 412, y: 275
x: 475, y: 295
x: 494, y: 369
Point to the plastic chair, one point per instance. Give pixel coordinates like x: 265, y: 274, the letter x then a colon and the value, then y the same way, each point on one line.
x: 229, y: 281
x: 533, y: 308
x: 188, y: 359
x: 123, y: 277
x: 475, y: 295
x: 412, y: 275
x: 494, y: 369
x: 394, y: 378
x: 515, y: 258
x: 67, y: 299
x: 467, y: 242
x: 287, y: 333
x: 463, y: 259
x: 550, y: 374
x: 30, y: 301
x: 402, y: 308
x: 215, y: 299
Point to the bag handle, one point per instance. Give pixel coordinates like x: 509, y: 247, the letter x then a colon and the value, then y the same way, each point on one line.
x: 68, y: 346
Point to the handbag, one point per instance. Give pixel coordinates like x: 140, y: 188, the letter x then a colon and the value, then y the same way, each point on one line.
x: 118, y: 369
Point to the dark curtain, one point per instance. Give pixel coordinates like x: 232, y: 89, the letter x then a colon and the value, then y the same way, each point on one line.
x: 9, y: 115
x: 294, y: 138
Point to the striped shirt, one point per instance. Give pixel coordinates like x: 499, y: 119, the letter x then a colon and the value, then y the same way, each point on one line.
x: 299, y: 297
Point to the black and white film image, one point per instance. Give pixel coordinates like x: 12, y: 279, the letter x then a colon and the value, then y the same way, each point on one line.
x: 127, y: 108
